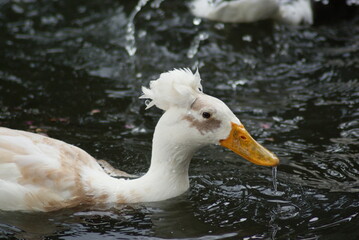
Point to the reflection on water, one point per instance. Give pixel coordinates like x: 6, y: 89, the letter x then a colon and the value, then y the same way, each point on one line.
x: 73, y: 70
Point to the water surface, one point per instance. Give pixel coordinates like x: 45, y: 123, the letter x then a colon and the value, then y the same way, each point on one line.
x: 73, y: 70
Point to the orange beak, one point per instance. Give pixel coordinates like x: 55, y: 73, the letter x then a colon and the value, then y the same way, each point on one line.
x: 240, y: 142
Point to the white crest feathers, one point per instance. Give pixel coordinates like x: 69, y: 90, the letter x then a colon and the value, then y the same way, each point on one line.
x: 179, y: 87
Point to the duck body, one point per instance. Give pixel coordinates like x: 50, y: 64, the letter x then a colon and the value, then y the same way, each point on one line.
x: 38, y: 173
x: 42, y: 174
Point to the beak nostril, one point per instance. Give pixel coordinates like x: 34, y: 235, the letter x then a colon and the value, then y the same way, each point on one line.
x: 243, y: 137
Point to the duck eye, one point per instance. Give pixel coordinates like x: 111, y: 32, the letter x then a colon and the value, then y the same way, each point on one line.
x: 206, y: 115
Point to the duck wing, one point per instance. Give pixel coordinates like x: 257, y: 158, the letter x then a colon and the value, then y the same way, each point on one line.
x: 113, y: 172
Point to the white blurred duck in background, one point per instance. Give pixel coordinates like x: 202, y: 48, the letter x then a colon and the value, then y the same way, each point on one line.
x: 294, y: 12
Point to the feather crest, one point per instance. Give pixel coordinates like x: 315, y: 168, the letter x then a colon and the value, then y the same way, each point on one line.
x: 176, y: 88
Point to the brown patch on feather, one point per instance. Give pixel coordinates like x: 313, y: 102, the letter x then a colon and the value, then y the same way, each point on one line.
x: 102, y: 198
x: 53, y: 182
x: 120, y: 199
x: 135, y: 196
x: 207, y: 125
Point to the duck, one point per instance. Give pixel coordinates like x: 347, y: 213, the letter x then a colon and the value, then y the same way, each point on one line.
x: 43, y: 174
x: 290, y: 12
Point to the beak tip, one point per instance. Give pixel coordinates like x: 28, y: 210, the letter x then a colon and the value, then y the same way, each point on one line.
x: 271, y: 162
x: 275, y: 162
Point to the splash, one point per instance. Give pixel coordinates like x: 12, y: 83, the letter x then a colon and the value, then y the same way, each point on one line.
x: 193, y: 49
x: 131, y: 47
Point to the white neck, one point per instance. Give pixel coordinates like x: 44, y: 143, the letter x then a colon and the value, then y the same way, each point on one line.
x: 166, y: 178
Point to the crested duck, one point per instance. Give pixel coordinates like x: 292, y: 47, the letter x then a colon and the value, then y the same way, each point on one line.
x: 38, y: 173
x: 292, y: 12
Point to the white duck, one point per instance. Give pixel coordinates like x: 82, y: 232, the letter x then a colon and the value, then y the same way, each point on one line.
x: 293, y: 12
x: 38, y: 173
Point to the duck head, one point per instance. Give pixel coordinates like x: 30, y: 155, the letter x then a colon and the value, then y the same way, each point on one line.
x: 194, y: 119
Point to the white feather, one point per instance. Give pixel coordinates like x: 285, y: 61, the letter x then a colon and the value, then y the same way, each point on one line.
x: 176, y: 88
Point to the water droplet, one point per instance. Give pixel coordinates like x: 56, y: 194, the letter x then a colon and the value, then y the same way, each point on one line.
x: 142, y: 34
x: 277, y: 119
x: 138, y: 130
x: 17, y: 9
x: 314, y: 219
x: 240, y: 82
x: 219, y: 26
x: 247, y: 38
x: 197, y: 21
x: 274, y: 176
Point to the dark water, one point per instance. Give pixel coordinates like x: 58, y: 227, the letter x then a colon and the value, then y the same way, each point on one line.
x: 73, y: 69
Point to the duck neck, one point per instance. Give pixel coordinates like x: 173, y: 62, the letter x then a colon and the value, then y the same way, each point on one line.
x: 166, y: 178
x: 168, y: 172
x: 170, y: 160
